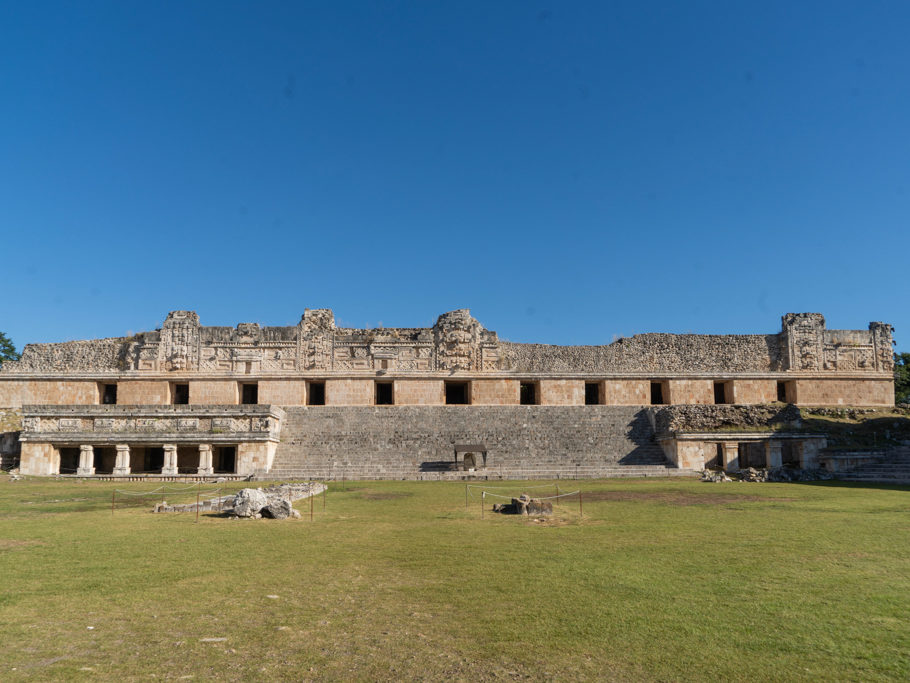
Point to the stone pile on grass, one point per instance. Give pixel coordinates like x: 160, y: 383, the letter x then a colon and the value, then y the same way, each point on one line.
x: 714, y: 476
x: 773, y: 474
x: 273, y: 502
x: 779, y: 474
x: 525, y: 505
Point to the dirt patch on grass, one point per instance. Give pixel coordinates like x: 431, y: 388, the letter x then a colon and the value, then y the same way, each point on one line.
x: 16, y: 543
x: 384, y: 495
x: 677, y: 498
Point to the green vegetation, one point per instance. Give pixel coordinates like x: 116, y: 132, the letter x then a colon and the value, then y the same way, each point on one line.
x: 847, y: 428
x: 7, y: 350
x: 661, y: 580
x: 859, y: 428
x: 902, y: 377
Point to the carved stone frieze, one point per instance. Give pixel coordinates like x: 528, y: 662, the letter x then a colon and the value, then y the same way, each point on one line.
x: 180, y: 341
x: 804, y: 333
x: 457, y: 342
x: 457, y: 335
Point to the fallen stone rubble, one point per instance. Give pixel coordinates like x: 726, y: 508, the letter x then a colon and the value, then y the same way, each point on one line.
x: 273, y: 502
x: 525, y: 505
x: 773, y: 474
x: 714, y: 476
x: 695, y: 418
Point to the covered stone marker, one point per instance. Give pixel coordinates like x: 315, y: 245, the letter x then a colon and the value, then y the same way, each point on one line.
x: 469, y: 457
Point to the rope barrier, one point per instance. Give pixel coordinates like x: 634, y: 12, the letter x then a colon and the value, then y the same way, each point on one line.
x: 508, y: 488
x: 561, y: 495
x: 160, y: 489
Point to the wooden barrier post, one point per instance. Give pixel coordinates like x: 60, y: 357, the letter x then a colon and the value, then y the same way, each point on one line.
x: 197, y: 504
x: 482, y: 496
x: 557, y: 494
x: 581, y: 512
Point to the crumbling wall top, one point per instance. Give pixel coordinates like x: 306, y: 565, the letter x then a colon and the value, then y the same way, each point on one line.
x: 457, y: 342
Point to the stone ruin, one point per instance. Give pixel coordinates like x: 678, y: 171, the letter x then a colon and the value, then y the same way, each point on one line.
x: 304, y: 401
x: 773, y: 474
x: 525, y: 505
x: 273, y: 502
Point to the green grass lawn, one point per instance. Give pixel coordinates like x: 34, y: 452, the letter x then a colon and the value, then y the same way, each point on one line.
x: 660, y: 580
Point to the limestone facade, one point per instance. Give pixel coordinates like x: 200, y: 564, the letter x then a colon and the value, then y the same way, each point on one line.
x: 109, y: 403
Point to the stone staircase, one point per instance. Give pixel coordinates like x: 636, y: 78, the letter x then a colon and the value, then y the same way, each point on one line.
x: 892, y: 468
x: 416, y: 442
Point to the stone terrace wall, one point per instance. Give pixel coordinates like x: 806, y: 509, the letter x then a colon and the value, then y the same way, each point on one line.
x: 706, y: 418
x: 655, y: 353
x: 532, y: 436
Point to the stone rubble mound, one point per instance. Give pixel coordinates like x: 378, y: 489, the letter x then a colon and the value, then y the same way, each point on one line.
x: 714, y: 476
x: 279, y: 509
x: 773, y: 474
x: 700, y: 418
x: 248, y: 502
x: 274, y: 502
x: 525, y: 505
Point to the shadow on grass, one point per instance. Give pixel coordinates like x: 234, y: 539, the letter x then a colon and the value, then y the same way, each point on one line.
x: 838, y: 484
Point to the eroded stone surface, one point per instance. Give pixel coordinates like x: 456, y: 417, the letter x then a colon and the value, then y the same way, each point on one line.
x: 249, y: 502
x: 525, y: 505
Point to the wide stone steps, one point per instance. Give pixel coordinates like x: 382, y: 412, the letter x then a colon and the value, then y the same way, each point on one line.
x: 412, y: 442
x: 892, y: 468
x: 361, y: 473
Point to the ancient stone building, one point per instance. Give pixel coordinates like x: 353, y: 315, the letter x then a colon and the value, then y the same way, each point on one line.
x: 319, y: 400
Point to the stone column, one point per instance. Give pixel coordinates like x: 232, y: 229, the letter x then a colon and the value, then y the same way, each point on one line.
x: 170, y: 459
x: 731, y: 456
x: 808, y: 456
x: 205, y: 459
x: 122, y: 464
x: 773, y: 456
x: 86, y: 461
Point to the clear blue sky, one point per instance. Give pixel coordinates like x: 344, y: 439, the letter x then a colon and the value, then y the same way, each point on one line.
x: 569, y: 171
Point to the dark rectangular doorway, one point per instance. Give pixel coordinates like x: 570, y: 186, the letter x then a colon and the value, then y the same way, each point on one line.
x: 384, y: 394
x: 657, y: 394
x: 457, y: 393
x: 69, y: 460
x: 249, y: 394
x: 315, y: 395
x: 181, y: 394
x: 592, y: 393
x: 154, y: 459
x: 225, y: 460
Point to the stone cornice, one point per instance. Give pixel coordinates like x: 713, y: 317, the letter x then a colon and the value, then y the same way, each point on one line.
x: 463, y: 376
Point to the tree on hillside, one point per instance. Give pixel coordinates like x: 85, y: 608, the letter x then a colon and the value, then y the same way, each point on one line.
x: 7, y: 350
x: 902, y: 377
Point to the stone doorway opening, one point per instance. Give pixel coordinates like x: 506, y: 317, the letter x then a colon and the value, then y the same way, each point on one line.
x: 224, y: 460
x: 69, y: 460
x: 105, y: 459
x: 592, y: 393
x: 153, y: 460
x: 187, y: 459
x: 457, y: 393
x: 528, y: 393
